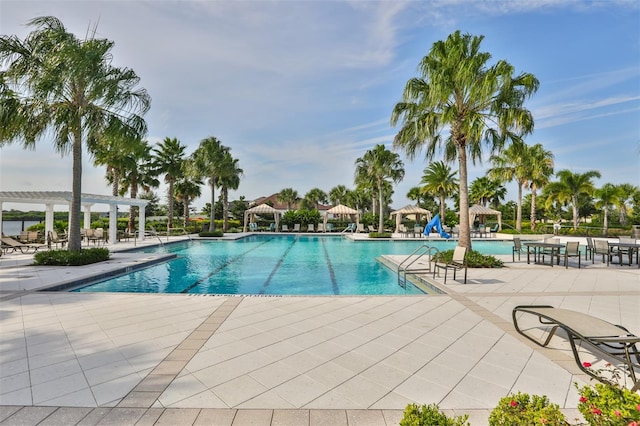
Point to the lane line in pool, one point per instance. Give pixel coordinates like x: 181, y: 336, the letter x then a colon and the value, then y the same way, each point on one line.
x: 221, y: 267
x: 278, y: 264
x: 332, y: 274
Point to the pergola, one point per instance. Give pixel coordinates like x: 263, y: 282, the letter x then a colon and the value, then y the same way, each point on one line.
x: 261, y: 209
x: 478, y: 210
x: 52, y: 198
x: 341, y: 210
x: 409, y: 210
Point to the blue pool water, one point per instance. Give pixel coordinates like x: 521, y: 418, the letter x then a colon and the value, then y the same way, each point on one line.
x: 277, y: 265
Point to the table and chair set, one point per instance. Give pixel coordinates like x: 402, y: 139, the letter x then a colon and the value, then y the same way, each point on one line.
x: 624, y: 248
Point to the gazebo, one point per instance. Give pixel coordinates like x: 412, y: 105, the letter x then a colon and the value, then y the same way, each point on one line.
x: 341, y: 209
x: 478, y: 210
x: 261, y: 209
x: 409, y: 210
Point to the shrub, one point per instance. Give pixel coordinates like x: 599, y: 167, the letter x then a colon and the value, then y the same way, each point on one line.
x: 430, y: 415
x: 474, y: 259
x: 379, y: 235
x: 211, y: 234
x: 605, y: 404
x: 524, y: 410
x: 71, y: 258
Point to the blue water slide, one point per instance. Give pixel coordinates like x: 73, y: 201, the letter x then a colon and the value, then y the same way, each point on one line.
x: 435, y: 223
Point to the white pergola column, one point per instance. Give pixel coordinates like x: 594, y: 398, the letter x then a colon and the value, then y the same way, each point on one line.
x: 87, y: 215
x: 1, y: 230
x: 141, y: 223
x: 48, y: 219
x: 113, y: 223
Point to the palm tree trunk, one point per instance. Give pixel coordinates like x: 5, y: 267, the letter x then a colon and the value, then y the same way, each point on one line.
x: 575, y: 212
x: 380, y: 219
x: 534, y: 194
x: 75, y: 242
x: 465, y: 230
x: 185, y: 203
x: 225, y: 209
x: 171, y: 189
x: 132, y: 209
x: 605, y: 229
x: 212, y: 224
x: 519, y: 209
x: 441, y: 207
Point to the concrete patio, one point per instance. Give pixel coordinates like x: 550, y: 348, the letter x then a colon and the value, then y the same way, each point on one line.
x: 96, y: 358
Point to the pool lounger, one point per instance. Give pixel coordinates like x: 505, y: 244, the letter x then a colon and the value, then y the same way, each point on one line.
x: 604, y: 338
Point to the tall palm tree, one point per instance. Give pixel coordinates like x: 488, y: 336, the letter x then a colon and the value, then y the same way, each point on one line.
x: 207, y: 159
x: 484, y: 190
x: 168, y: 158
x: 512, y: 165
x: 229, y: 178
x: 314, y: 197
x: 607, y: 196
x: 540, y: 170
x: 288, y: 196
x: 379, y: 165
x: 627, y: 192
x: 569, y: 189
x: 439, y: 179
x: 57, y: 85
x: 456, y: 90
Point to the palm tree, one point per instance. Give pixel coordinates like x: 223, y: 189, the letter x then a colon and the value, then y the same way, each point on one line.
x: 229, y: 178
x: 168, y: 158
x: 608, y: 196
x: 569, y: 189
x: 314, y: 197
x: 626, y: 194
x: 338, y: 194
x: 540, y: 171
x: 484, y: 190
x: 379, y: 165
x: 57, y: 85
x: 187, y: 189
x: 457, y: 91
x: 207, y: 159
x: 288, y: 196
x: 512, y: 164
x: 439, y: 179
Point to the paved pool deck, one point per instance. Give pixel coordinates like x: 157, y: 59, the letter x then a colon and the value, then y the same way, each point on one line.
x: 100, y: 359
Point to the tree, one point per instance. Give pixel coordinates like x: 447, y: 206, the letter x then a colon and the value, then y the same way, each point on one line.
x: 187, y: 189
x: 512, y: 165
x: 569, y: 189
x: 379, y: 165
x: 168, y: 158
x: 312, y: 198
x: 288, y: 196
x: 57, y: 85
x: 207, y: 159
x: 608, y: 196
x: 228, y: 178
x: 540, y: 170
x: 627, y: 192
x: 439, y: 179
x: 484, y: 190
x: 477, y: 104
x: 338, y: 195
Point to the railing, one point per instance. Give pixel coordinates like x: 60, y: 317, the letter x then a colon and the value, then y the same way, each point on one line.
x: 417, y: 254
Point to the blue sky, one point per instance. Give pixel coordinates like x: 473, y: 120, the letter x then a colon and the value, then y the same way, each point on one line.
x: 300, y: 89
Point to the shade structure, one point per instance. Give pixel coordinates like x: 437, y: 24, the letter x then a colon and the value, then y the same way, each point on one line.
x: 410, y: 209
x: 261, y: 209
x: 477, y: 210
x: 343, y: 210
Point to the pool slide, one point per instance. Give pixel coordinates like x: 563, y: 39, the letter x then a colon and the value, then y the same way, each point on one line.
x: 435, y: 223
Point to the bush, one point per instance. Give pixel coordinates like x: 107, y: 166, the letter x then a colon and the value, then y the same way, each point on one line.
x: 379, y: 235
x: 71, y: 258
x: 474, y: 259
x: 430, y: 415
x: 524, y: 410
x: 211, y: 234
x: 607, y: 404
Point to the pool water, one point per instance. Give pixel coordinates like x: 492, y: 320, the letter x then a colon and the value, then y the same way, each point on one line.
x: 277, y: 265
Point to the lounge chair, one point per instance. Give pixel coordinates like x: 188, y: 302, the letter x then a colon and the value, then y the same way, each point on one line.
x: 360, y: 228
x: 285, y: 227
x: 272, y: 227
x: 457, y: 262
x: 517, y: 248
x: 321, y: 227
x: 350, y: 228
x: 253, y: 227
x: 572, y: 249
x: 296, y: 227
x: 330, y: 227
x: 611, y: 342
x: 14, y: 245
x: 417, y: 230
x: 310, y: 227
x: 53, y: 237
x: 371, y: 228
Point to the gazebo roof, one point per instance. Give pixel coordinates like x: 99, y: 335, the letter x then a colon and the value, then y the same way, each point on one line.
x: 262, y: 209
x: 410, y: 209
x: 64, y: 197
x: 478, y: 209
x: 341, y: 209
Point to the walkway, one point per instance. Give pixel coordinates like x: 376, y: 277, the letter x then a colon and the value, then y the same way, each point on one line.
x: 89, y: 358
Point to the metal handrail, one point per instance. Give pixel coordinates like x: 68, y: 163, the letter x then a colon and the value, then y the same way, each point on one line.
x: 402, y: 268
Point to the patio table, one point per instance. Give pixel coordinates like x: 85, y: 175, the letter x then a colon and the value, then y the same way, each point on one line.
x: 631, y: 247
x: 539, y: 246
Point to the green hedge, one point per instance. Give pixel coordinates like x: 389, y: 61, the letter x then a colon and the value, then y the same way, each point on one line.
x: 71, y: 258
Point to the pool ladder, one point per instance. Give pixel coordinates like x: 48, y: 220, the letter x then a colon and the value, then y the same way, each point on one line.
x: 417, y: 254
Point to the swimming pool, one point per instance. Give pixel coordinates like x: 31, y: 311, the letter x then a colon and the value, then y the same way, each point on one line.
x: 277, y: 265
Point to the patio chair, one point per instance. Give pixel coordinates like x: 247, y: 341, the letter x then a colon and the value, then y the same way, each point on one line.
x: 457, y: 262
x: 272, y: 227
x: 589, y: 249
x: 572, y: 249
x: 417, y: 230
x: 285, y: 227
x: 253, y: 227
x: 601, y: 247
x: 360, y: 228
x: 550, y: 251
x: 517, y: 248
x: 321, y: 227
x: 607, y: 340
x: 371, y: 228
x: 14, y: 245
x: 296, y: 227
x: 53, y: 237
x: 310, y: 227
x: 330, y: 227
